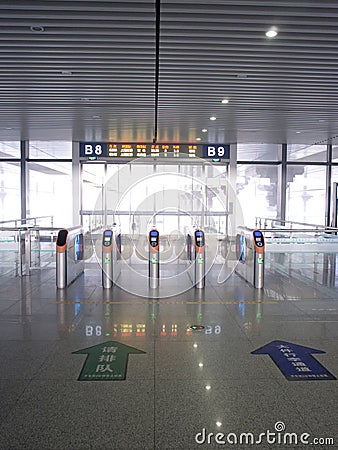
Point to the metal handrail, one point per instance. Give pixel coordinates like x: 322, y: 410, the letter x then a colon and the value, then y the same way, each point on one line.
x: 28, y: 219
x: 291, y: 222
x: 293, y: 230
x: 297, y: 230
x: 148, y: 212
x: 38, y: 228
x: 22, y: 238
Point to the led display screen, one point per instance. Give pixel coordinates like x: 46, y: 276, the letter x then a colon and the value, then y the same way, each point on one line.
x: 121, y: 151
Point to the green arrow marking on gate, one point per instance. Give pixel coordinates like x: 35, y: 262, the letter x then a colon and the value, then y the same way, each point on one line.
x: 106, y: 362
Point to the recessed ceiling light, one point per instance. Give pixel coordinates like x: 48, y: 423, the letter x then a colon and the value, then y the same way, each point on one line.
x: 212, y: 118
x: 204, y: 130
x: 225, y: 101
x: 37, y: 29
x: 208, y: 387
x: 200, y: 364
x: 218, y: 424
x: 271, y: 33
x: 198, y: 139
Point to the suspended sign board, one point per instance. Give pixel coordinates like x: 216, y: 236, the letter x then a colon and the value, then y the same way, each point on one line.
x: 216, y: 151
x: 129, y: 151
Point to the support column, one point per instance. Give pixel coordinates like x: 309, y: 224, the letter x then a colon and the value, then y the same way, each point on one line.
x: 24, y: 180
x: 76, y: 184
x: 233, y: 221
x: 328, y: 190
x: 281, y: 202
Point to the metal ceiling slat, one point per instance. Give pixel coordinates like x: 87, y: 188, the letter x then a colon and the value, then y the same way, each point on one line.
x: 208, y: 50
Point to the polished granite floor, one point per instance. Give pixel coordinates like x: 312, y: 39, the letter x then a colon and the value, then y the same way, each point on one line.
x: 184, y: 385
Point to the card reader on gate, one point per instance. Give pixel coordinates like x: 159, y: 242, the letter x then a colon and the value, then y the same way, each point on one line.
x: 154, y: 239
x: 199, y: 238
x: 154, y: 252
x: 107, y: 238
x: 258, y: 241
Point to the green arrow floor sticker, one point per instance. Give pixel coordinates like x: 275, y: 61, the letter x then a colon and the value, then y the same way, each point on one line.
x: 106, y: 362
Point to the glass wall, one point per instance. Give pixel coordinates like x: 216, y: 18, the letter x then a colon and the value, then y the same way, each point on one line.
x: 176, y: 192
x: 335, y: 153
x: 257, y: 191
x: 258, y: 152
x: 334, y: 176
x: 50, y: 191
x: 305, y: 194
x: 182, y: 195
x: 92, y: 185
x: 49, y: 186
x: 10, y: 197
x: 306, y: 153
x: 50, y: 150
x: 259, y: 187
x: 10, y: 149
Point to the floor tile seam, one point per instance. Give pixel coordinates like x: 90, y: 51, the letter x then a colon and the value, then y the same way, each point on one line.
x: 241, y: 329
x: 14, y: 288
x: 215, y: 291
x: 9, y: 307
x: 302, y: 415
x: 305, y: 313
x: 244, y: 381
x: 37, y: 371
x: 19, y: 398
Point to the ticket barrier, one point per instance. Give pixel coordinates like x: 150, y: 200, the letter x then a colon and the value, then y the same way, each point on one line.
x: 250, y: 249
x: 111, y: 256
x: 196, y: 258
x: 69, y: 256
x: 154, y: 259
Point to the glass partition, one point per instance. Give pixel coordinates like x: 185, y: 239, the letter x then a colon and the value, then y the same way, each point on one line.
x: 171, y: 196
x: 10, y: 196
x: 305, y: 194
x: 307, y: 153
x: 335, y: 153
x: 257, y: 191
x: 258, y: 152
x: 10, y: 149
x: 50, y: 149
x: 50, y: 191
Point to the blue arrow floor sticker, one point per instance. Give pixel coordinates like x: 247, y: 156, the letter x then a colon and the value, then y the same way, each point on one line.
x: 295, y: 361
